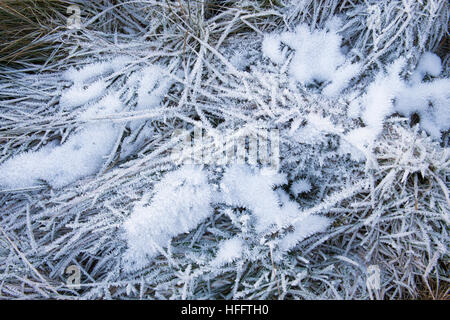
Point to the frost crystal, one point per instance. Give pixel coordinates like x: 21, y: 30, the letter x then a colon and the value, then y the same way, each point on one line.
x: 181, y: 201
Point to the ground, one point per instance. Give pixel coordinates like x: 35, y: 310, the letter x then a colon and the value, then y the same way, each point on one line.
x: 224, y: 149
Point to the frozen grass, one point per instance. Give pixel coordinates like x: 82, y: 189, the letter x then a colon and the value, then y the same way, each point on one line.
x: 28, y: 31
x: 390, y: 210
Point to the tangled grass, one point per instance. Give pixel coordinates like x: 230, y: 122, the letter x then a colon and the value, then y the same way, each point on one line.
x: 390, y: 211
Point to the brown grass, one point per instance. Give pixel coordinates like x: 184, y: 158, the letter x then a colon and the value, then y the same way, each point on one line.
x: 434, y: 290
x: 24, y: 29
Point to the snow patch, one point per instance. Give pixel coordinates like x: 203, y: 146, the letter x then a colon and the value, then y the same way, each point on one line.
x: 303, y: 228
x: 181, y: 201
x: 79, y: 94
x: 300, y: 186
x: 389, y: 93
x: 429, y: 63
x: 153, y: 86
x: 229, y: 251
x: 241, y: 186
x: 81, y: 155
x: 271, y: 48
x: 96, y: 69
x: 244, y: 187
x: 318, y: 56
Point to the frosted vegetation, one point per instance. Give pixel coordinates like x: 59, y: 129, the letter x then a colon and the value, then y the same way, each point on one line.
x: 358, y: 91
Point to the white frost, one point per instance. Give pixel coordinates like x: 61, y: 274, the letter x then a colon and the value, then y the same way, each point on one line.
x: 318, y: 57
x: 430, y: 64
x: 271, y: 48
x: 242, y: 186
x: 229, y: 250
x: 300, y: 186
x: 81, y: 155
x: 181, y: 201
x: 152, y: 88
x: 79, y: 94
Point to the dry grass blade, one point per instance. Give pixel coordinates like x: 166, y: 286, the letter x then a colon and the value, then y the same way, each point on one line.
x: 25, y: 27
x: 389, y: 210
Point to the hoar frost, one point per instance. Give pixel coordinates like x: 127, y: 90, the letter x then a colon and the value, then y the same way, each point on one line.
x: 253, y: 189
x: 86, y: 150
x: 318, y: 57
x: 182, y: 199
x: 389, y: 93
x: 81, y: 155
x: 229, y: 250
x: 300, y: 186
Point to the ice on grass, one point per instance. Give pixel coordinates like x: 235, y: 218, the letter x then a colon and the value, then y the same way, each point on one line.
x: 315, y: 127
x: 271, y: 48
x: 243, y: 186
x: 429, y: 64
x: 318, y: 57
x: 89, y: 81
x: 303, y: 224
x: 378, y: 102
x: 239, y: 59
x: 81, y: 155
x: 96, y: 69
x: 79, y: 95
x: 108, y: 106
x: 229, y: 251
x: 317, y: 54
x: 358, y: 143
x: 375, y: 105
x: 300, y: 186
x: 341, y: 78
x: 152, y: 88
x: 431, y: 101
x: 181, y: 200
x: 304, y: 227
x: 389, y: 93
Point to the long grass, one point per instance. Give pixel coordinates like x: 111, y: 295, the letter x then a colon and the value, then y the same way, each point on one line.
x: 27, y: 31
x: 391, y: 211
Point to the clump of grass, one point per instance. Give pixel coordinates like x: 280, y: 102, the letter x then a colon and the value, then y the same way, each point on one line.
x: 392, y: 215
x: 26, y: 27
